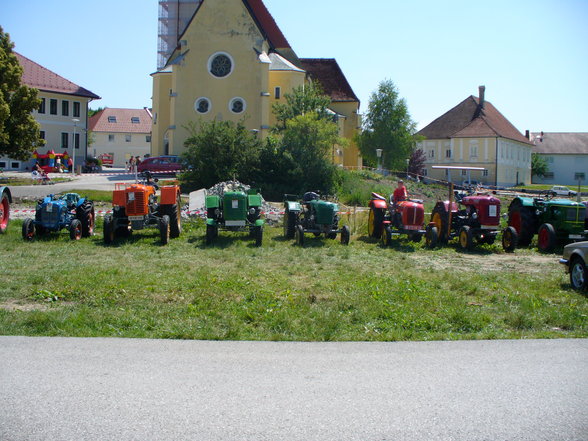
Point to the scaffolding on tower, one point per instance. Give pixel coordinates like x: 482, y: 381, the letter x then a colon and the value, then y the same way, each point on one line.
x: 174, y: 16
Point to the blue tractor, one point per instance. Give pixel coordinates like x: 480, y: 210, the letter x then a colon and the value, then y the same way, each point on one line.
x: 53, y: 213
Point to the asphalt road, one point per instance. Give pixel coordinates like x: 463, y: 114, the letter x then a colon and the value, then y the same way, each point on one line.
x: 119, y: 389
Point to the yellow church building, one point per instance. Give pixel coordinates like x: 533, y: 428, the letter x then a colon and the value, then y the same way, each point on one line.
x: 228, y: 60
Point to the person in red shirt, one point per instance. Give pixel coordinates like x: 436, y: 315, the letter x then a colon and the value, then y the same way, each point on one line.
x: 400, y: 194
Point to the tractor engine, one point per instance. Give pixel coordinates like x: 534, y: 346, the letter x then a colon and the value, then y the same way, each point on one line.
x: 50, y: 212
x: 411, y: 215
x: 482, y: 211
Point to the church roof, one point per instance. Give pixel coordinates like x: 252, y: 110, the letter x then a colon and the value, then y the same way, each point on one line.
x: 330, y: 76
x: 39, y: 77
x: 280, y: 63
x: 469, y: 119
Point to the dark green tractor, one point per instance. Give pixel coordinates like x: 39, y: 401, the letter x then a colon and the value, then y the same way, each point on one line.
x: 555, y: 221
x: 312, y: 215
x: 235, y: 210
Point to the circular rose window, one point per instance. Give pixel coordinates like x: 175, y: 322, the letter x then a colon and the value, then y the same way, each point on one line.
x: 237, y: 105
x: 220, y: 65
x: 202, y: 105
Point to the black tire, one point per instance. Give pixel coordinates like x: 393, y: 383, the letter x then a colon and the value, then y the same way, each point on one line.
x: 299, y: 235
x: 258, y: 235
x: 108, y: 229
x: 386, y: 237
x: 211, y: 234
x: 28, y: 229
x: 431, y: 236
x: 466, y: 240
x: 75, y: 229
x: 441, y: 217
x: 509, y: 239
x: 175, y: 220
x: 375, y: 222
x: 578, y: 274
x: 4, y: 212
x: 164, y: 229
x: 86, y: 215
x: 289, y: 224
x: 345, y: 235
x: 524, y: 222
x: 546, y: 239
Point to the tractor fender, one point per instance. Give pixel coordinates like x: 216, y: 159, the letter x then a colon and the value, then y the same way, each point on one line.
x: 211, y: 222
x: 259, y: 222
x: 169, y: 195
x: 7, y: 191
x: 254, y: 200
x: 213, y: 201
x: 292, y: 206
x: 80, y: 202
x: 378, y: 203
x: 525, y: 202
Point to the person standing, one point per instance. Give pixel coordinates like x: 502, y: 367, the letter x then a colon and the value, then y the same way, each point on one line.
x: 132, y: 164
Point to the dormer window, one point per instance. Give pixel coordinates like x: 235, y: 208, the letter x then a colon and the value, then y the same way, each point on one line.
x: 112, y: 119
x: 135, y: 120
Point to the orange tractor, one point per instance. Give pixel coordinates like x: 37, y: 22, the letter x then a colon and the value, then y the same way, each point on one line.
x: 135, y: 207
x: 388, y: 219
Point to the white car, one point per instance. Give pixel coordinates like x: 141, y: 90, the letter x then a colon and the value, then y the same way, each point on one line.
x: 562, y: 191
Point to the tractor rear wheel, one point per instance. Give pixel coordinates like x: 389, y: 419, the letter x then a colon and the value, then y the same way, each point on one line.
x: 164, y: 229
x: 299, y: 235
x: 175, y: 220
x: 28, y: 229
x: 86, y: 215
x: 375, y: 219
x: 289, y: 224
x: 509, y: 239
x: 4, y: 212
x: 440, y: 218
x: 523, y: 220
x: 578, y: 274
x: 108, y: 229
x: 386, y: 237
x: 466, y: 240
x: 546, y: 239
x: 431, y: 236
x: 75, y: 229
x: 258, y: 235
x: 345, y: 235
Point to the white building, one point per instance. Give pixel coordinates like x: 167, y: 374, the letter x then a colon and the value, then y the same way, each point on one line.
x: 566, y: 155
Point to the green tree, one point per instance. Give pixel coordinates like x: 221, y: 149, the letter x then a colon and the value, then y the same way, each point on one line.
x: 302, y: 100
x: 92, y: 112
x: 539, y: 166
x: 217, y: 151
x: 387, y: 126
x: 417, y: 161
x: 19, y: 132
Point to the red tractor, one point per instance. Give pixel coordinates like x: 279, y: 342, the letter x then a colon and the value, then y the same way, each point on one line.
x: 471, y: 217
x: 387, y: 219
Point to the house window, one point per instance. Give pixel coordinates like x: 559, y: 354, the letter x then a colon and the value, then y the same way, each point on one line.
x: 64, y: 140
x: 53, y: 107
x: 14, y: 165
x: 42, y: 106
x: 277, y: 92
x: 76, y: 109
x: 42, y: 134
x: 147, y: 138
x: 425, y: 172
x: 127, y: 138
x: 202, y: 105
x: 485, y: 173
x: 432, y: 155
x: 448, y: 153
x: 473, y: 151
x: 65, y: 108
x: 112, y: 119
x: 135, y: 120
x: 237, y: 105
x: 464, y: 172
x: 220, y: 65
x: 111, y: 138
x: 77, y: 141
x: 579, y: 176
x: 2, y: 164
x: 549, y: 175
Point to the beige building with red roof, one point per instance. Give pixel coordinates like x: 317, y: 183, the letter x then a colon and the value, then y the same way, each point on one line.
x: 121, y: 133
x: 62, y: 114
x: 475, y: 134
x: 228, y: 60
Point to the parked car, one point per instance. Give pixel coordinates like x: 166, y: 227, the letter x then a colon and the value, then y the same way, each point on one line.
x: 562, y: 191
x: 165, y: 164
x: 575, y: 256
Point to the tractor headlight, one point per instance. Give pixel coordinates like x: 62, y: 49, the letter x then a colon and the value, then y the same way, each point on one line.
x: 217, y: 212
x: 252, y: 210
x: 537, y: 212
x: 475, y: 216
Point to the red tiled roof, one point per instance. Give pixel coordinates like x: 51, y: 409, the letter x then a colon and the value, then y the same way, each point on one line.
x: 468, y: 120
x: 99, y: 121
x: 41, y: 78
x: 330, y: 76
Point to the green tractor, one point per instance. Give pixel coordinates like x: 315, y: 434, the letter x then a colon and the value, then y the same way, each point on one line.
x: 312, y: 215
x: 555, y: 221
x: 236, y: 210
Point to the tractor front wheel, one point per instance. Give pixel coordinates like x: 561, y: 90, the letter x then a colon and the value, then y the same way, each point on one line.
x: 466, y: 239
x: 86, y: 215
x: 299, y: 235
x: 175, y: 220
x: 345, y: 235
x: 258, y: 235
x: 4, y: 212
x: 75, y: 230
x: 440, y: 217
x: 578, y: 274
x: 546, y: 239
x: 431, y: 236
x: 28, y: 229
x: 289, y: 224
x: 375, y: 219
x: 164, y: 229
x: 211, y: 233
x: 509, y: 239
x: 386, y: 237
x: 108, y: 229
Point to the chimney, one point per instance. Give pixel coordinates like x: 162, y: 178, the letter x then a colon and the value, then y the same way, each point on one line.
x: 481, y: 89
x: 527, y: 134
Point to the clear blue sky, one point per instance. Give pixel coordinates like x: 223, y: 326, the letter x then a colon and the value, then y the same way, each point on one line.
x: 532, y: 56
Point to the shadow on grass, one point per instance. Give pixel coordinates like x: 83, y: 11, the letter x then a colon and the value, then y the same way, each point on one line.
x: 224, y: 241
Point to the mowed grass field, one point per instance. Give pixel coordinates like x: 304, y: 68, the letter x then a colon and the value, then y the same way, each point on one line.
x: 322, y: 292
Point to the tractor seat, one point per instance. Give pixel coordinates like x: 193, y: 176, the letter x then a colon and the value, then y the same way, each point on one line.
x: 310, y: 196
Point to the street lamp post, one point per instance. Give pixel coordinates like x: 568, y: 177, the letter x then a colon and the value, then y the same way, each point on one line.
x: 379, y: 155
x: 407, y: 163
x: 73, y: 146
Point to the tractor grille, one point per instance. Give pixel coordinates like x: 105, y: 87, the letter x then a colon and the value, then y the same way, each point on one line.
x: 50, y: 217
x: 136, y: 204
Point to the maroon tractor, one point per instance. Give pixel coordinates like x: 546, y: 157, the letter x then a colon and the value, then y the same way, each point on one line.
x: 387, y: 219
